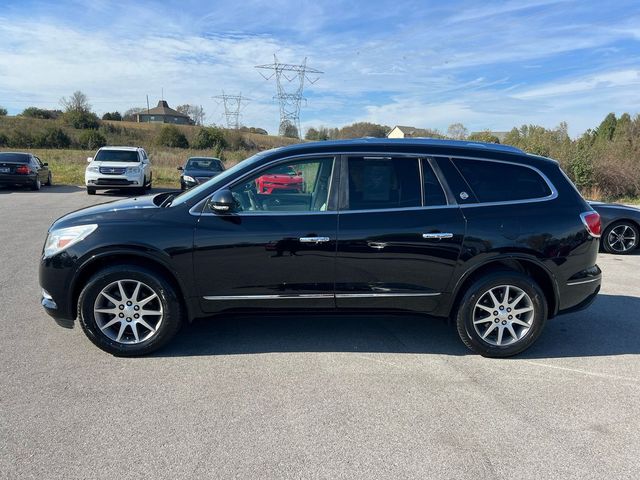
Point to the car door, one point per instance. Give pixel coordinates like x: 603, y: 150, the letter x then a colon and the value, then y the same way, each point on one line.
x: 273, y: 250
x: 400, y: 234
x: 41, y: 170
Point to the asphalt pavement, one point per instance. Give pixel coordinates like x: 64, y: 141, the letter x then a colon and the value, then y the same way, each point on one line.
x: 329, y: 397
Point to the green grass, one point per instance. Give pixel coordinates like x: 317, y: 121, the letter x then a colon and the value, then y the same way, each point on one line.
x: 68, y: 166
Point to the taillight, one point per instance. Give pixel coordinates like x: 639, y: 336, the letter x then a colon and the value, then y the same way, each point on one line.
x: 591, y: 220
x: 23, y: 170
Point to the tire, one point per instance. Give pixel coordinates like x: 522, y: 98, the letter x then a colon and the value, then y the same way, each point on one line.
x: 49, y: 180
x: 621, y: 238
x: 119, y: 338
x: 150, y: 184
x: 36, y: 185
x: 91, y: 191
x: 476, y: 303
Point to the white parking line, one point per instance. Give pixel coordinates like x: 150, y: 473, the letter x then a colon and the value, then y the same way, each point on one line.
x: 583, y: 372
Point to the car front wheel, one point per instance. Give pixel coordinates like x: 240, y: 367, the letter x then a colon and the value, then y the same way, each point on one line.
x: 621, y: 238
x: 128, y: 310
x: 501, y: 314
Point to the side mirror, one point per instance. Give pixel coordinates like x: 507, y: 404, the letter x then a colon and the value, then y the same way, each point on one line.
x: 222, y: 201
x: 45, y: 164
x: 180, y: 168
x: 89, y: 159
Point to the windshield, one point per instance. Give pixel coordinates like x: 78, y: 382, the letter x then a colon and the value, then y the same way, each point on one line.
x: 14, y: 157
x: 211, y: 164
x: 117, y: 156
x: 217, y: 180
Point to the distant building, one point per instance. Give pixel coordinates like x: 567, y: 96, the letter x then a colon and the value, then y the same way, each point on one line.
x: 164, y: 114
x: 407, y: 132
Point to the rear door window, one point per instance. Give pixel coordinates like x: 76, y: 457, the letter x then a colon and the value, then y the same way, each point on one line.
x: 378, y: 183
x: 502, y: 181
x: 433, y: 193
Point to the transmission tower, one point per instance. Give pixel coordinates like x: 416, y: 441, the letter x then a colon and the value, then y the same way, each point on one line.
x: 232, y: 106
x: 296, y: 75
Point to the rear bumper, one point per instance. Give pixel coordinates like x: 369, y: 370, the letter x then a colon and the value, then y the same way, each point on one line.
x: 578, y: 293
x: 10, y: 179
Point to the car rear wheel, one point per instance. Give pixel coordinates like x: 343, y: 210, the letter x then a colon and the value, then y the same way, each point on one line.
x: 501, y: 314
x: 128, y: 310
x: 36, y: 185
x: 621, y: 238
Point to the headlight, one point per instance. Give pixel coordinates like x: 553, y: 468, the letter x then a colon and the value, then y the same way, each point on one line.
x: 187, y: 178
x: 63, y: 238
x: 133, y: 169
x: 93, y: 169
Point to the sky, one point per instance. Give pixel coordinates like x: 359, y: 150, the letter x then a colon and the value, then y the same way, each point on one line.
x: 488, y: 65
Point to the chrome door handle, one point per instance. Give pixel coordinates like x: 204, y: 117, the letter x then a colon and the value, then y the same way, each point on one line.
x: 314, y: 239
x: 437, y: 236
x: 377, y: 245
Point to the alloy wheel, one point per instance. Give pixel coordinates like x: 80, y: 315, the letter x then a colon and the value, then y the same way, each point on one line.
x: 622, y: 238
x: 503, y: 315
x: 128, y: 311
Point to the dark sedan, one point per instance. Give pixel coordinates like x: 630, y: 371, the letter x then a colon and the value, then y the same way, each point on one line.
x: 23, y: 169
x: 198, y: 170
x: 621, y: 227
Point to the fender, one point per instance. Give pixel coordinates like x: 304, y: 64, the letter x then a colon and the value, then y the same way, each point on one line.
x: 506, y: 258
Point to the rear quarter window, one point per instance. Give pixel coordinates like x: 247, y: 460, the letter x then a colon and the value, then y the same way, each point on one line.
x: 502, y: 182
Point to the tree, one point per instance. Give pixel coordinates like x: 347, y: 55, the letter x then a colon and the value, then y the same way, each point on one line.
x: 130, y: 115
x: 78, y: 112
x: 363, y: 129
x: 3, y: 112
x: 457, y: 131
x: 171, y: 136
x: 195, y: 112
x: 115, y: 116
x: 484, y: 136
x: 35, y: 112
x: 77, y: 102
x: 607, y: 128
x: 290, y: 131
x: 209, y: 138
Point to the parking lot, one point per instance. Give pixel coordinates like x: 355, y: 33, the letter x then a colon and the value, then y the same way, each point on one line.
x: 310, y: 397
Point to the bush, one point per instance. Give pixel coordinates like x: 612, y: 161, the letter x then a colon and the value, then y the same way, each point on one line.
x: 52, y: 138
x: 35, y: 112
x: 20, y: 139
x: 91, y: 140
x: 171, y: 136
x: 3, y: 112
x: 209, y: 138
x: 81, y: 120
x: 4, y: 140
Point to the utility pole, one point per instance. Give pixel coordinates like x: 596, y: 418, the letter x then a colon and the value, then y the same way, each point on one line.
x: 232, y: 106
x: 289, y: 101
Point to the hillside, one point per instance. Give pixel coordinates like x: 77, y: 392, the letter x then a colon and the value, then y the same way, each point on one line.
x: 23, y: 133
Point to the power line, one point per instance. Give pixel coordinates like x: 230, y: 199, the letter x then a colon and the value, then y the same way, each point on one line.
x: 232, y: 106
x: 289, y: 100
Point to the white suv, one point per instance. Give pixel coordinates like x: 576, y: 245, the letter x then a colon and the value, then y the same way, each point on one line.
x: 118, y: 167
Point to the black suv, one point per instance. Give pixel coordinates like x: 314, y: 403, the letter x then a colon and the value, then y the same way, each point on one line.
x: 494, y: 239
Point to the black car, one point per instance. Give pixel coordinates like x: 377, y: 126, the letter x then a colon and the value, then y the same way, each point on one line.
x: 621, y: 227
x: 494, y: 239
x: 23, y: 169
x: 198, y: 170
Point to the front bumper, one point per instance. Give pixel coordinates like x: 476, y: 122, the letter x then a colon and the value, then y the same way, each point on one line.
x: 103, y: 181
x: 55, y: 276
